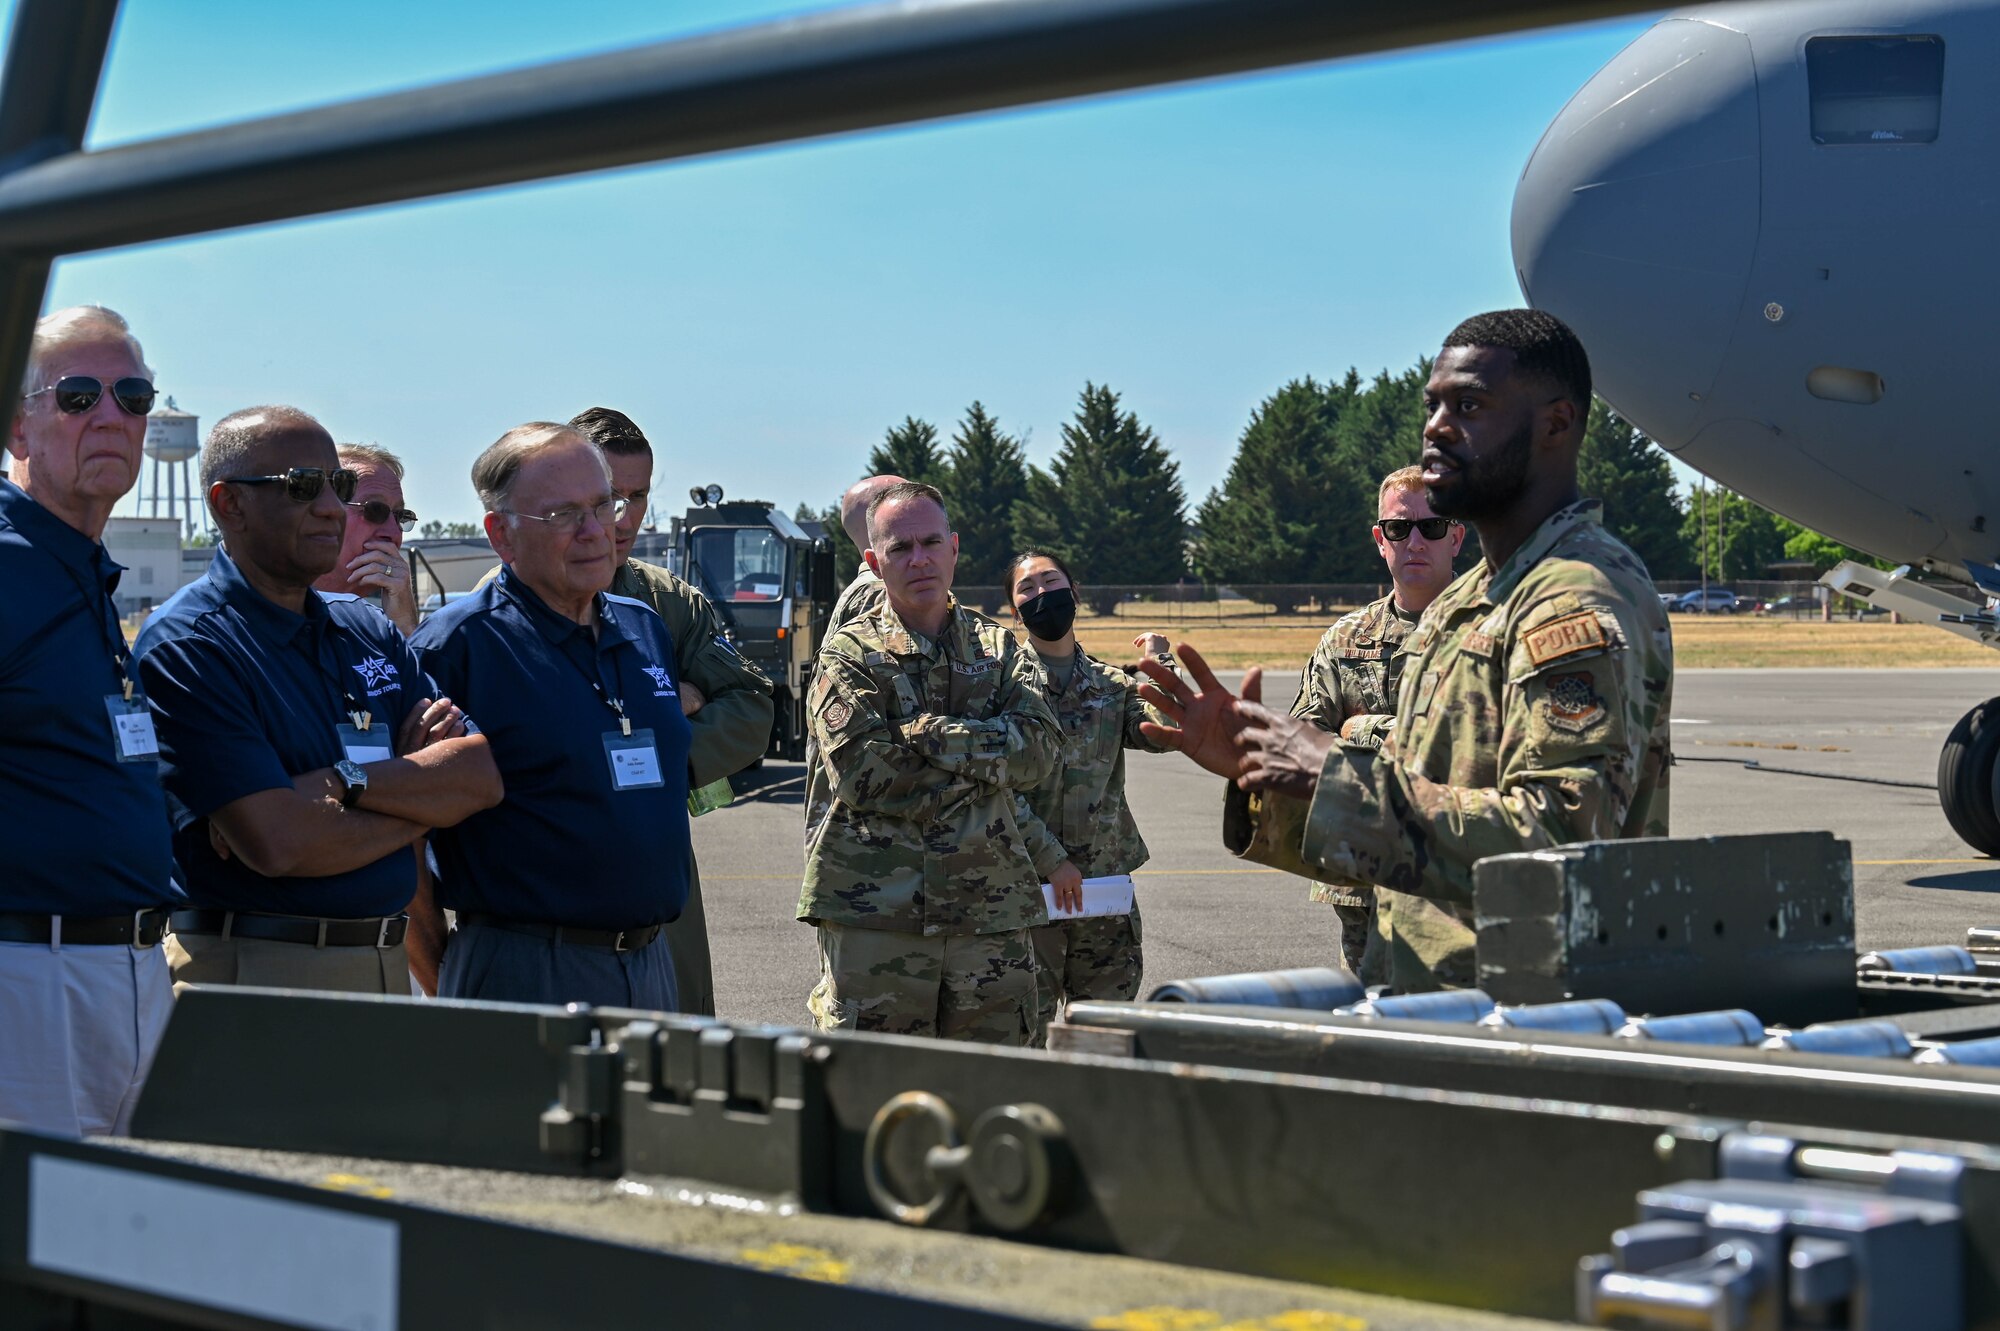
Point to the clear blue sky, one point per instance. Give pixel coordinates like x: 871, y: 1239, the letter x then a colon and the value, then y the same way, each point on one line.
x: 766, y: 315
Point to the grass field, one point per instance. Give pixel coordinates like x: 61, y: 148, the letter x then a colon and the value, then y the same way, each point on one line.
x: 1699, y: 641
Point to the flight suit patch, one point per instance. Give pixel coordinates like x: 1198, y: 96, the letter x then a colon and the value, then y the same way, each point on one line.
x: 1567, y: 636
x: 838, y: 715
x: 1573, y: 702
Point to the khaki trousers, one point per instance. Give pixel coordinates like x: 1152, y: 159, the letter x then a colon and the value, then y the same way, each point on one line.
x: 267, y: 964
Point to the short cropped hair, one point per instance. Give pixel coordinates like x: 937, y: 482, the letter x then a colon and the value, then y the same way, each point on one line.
x: 612, y: 431
x: 906, y: 490
x: 1403, y: 478
x: 1543, y: 346
x: 75, y: 326
x: 495, y: 471
x: 236, y: 436
x: 373, y: 455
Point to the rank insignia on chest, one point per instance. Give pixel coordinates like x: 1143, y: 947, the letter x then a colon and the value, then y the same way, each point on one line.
x: 1574, y: 703
x: 1478, y: 642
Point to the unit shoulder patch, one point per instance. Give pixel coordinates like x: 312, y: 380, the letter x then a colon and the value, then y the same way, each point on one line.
x: 838, y: 715
x: 1580, y: 632
x: 1574, y: 704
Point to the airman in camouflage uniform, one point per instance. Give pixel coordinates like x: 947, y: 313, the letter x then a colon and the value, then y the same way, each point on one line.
x: 918, y: 870
x: 1353, y: 676
x: 1081, y: 811
x: 1535, y: 706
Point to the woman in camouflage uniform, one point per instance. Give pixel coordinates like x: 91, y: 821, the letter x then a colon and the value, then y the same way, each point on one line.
x: 1080, y: 807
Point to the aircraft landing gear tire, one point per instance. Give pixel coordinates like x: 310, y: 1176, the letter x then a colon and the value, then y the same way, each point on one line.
x: 1967, y: 777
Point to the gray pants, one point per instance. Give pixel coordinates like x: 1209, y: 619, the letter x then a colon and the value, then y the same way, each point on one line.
x: 490, y: 962
x: 78, y: 1028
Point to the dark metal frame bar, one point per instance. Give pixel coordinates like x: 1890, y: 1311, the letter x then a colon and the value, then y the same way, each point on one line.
x: 822, y: 74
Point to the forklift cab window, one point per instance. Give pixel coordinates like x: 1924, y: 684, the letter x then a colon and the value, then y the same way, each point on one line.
x: 739, y: 564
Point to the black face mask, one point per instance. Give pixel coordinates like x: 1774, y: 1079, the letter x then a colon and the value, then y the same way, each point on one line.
x: 1049, y: 615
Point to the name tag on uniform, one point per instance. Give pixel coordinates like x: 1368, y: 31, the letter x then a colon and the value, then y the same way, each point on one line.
x: 132, y: 732
x: 634, y: 759
x: 373, y: 745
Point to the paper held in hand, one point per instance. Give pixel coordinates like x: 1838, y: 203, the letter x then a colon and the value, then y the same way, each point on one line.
x: 1110, y: 895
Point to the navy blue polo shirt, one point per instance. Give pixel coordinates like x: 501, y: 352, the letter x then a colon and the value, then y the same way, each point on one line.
x: 84, y: 834
x: 247, y: 695
x: 564, y: 847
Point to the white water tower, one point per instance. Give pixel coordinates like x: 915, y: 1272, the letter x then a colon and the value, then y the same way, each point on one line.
x: 173, y: 438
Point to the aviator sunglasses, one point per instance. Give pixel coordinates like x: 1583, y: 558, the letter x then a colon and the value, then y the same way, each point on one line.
x: 375, y: 512
x: 1398, y: 529
x: 303, y: 484
x: 78, y: 393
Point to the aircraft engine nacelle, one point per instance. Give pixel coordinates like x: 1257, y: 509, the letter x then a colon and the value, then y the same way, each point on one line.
x: 1774, y: 227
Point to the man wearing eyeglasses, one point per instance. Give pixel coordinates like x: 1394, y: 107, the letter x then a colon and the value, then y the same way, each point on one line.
x: 727, y: 700
x: 84, y: 990
x: 1350, y: 684
x: 303, y: 750
x: 371, y: 559
x: 579, y: 691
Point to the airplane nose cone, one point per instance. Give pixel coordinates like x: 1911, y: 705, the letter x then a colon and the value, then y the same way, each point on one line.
x: 1636, y: 219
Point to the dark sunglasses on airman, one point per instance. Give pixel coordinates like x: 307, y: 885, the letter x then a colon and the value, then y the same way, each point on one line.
x: 303, y: 484
x: 375, y: 512
x: 78, y: 393
x: 1398, y: 529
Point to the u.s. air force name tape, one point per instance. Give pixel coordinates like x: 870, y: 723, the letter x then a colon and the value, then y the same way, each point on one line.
x: 1110, y: 895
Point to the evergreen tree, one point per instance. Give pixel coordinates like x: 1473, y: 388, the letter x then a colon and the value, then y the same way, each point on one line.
x: 1732, y: 537
x: 909, y: 450
x: 1379, y: 430
x: 1267, y: 524
x: 1630, y: 474
x: 1111, y: 503
x: 986, y: 475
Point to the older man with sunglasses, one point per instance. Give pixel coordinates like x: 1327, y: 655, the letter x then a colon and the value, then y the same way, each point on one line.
x: 84, y: 990
x: 579, y: 690
x: 1350, y: 684
x: 371, y: 559
x: 303, y: 750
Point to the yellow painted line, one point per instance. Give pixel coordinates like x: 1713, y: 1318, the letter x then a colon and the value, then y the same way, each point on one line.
x: 1161, y: 1317
x: 794, y: 1259
x: 1979, y: 860
x: 1173, y: 873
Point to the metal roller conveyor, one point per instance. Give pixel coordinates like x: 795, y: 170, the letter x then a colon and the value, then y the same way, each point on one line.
x: 1318, y: 988
x: 1586, y: 1016
x: 1733, y: 1026
x: 1463, y: 1005
x: 1877, y: 1038
x: 1946, y: 960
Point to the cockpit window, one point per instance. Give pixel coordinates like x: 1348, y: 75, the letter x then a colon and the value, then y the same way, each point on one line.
x: 1875, y: 89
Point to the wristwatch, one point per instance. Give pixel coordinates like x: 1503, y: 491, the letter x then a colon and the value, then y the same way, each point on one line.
x: 353, y: 781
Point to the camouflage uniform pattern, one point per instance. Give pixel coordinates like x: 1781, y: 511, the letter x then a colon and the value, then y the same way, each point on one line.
x: 1081, y: 809
x: 731, y: 731
x: 1354, y: 672
x: 916, y: 825
x: 859, y: 597
x: 1534, y: 712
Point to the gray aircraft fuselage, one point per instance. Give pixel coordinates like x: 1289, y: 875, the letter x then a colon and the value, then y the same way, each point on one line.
x: 1781, y: 246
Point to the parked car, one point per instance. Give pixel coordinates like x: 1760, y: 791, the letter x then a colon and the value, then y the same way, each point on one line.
x: 1707, y: 600
x: 1794, y: 605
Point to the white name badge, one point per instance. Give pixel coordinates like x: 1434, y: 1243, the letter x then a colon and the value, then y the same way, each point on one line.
x: 132, y: 731
x: 373, y: 745
x: 634, y: 759
x: 1109, y: 895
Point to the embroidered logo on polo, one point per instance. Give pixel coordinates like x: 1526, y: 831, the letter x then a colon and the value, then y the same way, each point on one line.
x: 378, y: 676
x: 663, y: 683
x: 1574, y: 703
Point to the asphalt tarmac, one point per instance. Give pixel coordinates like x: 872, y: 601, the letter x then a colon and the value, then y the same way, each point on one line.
x: 1205, y: 913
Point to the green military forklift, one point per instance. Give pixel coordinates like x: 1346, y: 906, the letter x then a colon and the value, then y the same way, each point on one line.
x: 772, y: 581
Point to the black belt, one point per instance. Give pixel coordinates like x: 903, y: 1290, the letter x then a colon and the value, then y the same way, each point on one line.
x: 142, y: 928
x: 618, y: 940
x: 383, y: 932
